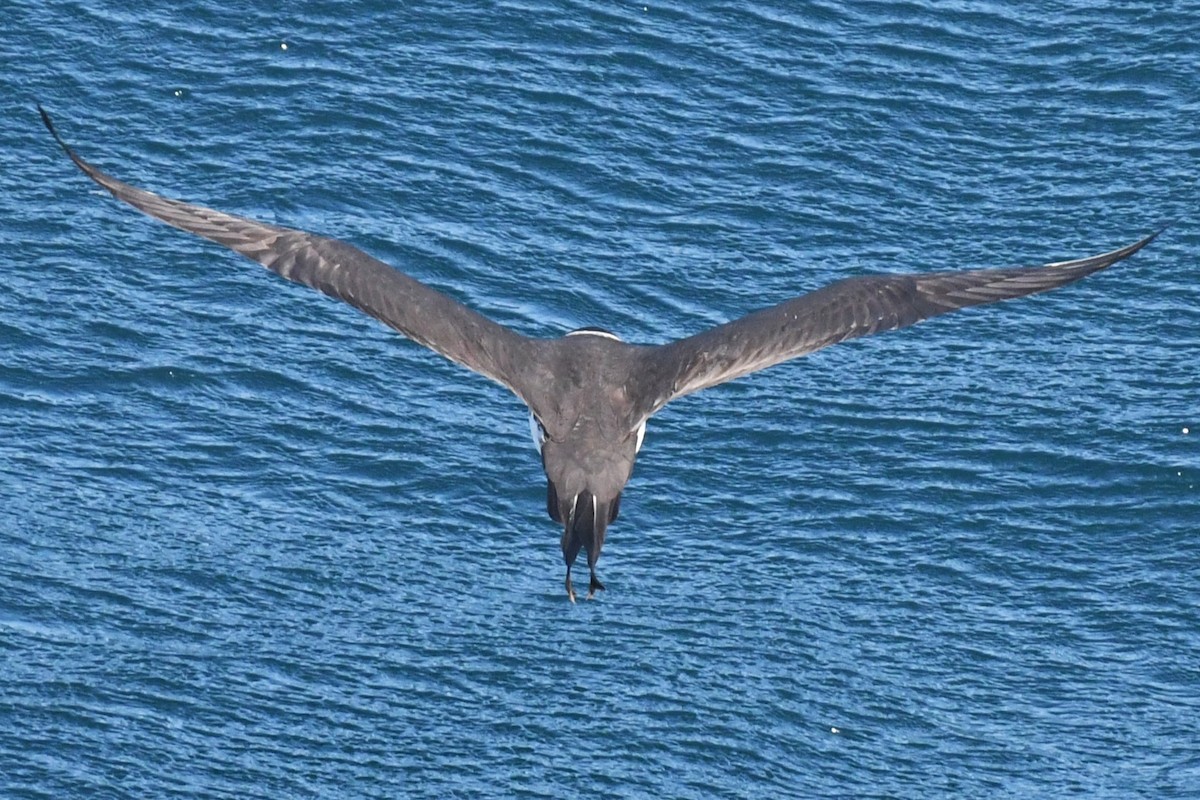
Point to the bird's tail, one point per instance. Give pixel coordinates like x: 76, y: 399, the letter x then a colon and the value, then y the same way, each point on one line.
x: 585, y: 520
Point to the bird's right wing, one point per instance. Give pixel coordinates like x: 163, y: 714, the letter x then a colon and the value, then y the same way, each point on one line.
x: 342, y: 271
x: 844, y: 310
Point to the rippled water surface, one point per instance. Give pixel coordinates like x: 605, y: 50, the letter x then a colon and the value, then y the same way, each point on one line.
x: 253, y: 544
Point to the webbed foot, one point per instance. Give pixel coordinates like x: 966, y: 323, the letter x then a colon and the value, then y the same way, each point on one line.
x: 594, y: 586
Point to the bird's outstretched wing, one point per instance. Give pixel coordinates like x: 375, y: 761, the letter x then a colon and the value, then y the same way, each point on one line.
x: 846, y: 310
x: 340, y: 270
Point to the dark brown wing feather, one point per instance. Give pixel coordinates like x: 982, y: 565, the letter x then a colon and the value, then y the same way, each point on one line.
x: 348, y: 274
x: 846, y: 310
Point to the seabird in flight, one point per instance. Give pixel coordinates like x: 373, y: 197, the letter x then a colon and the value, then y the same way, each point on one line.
x: 590, y: 394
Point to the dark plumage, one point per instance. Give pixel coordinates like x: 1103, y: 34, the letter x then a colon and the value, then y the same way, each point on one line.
x: 589, y: 393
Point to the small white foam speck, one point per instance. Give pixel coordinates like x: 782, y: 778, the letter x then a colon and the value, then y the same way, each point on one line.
x: 1185, y: 431
x: 835, y: 730
x: 283, y: 45
x: 179, y: 92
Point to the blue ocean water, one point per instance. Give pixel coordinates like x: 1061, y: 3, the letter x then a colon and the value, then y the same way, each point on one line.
x: 252, y: 544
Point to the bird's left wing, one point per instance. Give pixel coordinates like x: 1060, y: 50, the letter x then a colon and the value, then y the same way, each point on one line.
x: 342, y: 271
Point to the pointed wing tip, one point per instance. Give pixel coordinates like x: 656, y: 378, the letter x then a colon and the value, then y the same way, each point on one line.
x: 1129, y: 250
x: 79, y: 162
x: 1104, y: 260
x: 50, y: 126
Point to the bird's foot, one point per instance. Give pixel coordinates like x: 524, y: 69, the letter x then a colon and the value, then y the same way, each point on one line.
x: 570, y: 588
x: 594, y: 586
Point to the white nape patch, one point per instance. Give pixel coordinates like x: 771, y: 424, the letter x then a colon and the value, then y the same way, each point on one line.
x: 595, y: 332
x: 537, y: 431
x: 641, y: 434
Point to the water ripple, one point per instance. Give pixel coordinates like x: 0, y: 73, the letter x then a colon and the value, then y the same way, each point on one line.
x: 256, y: 545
